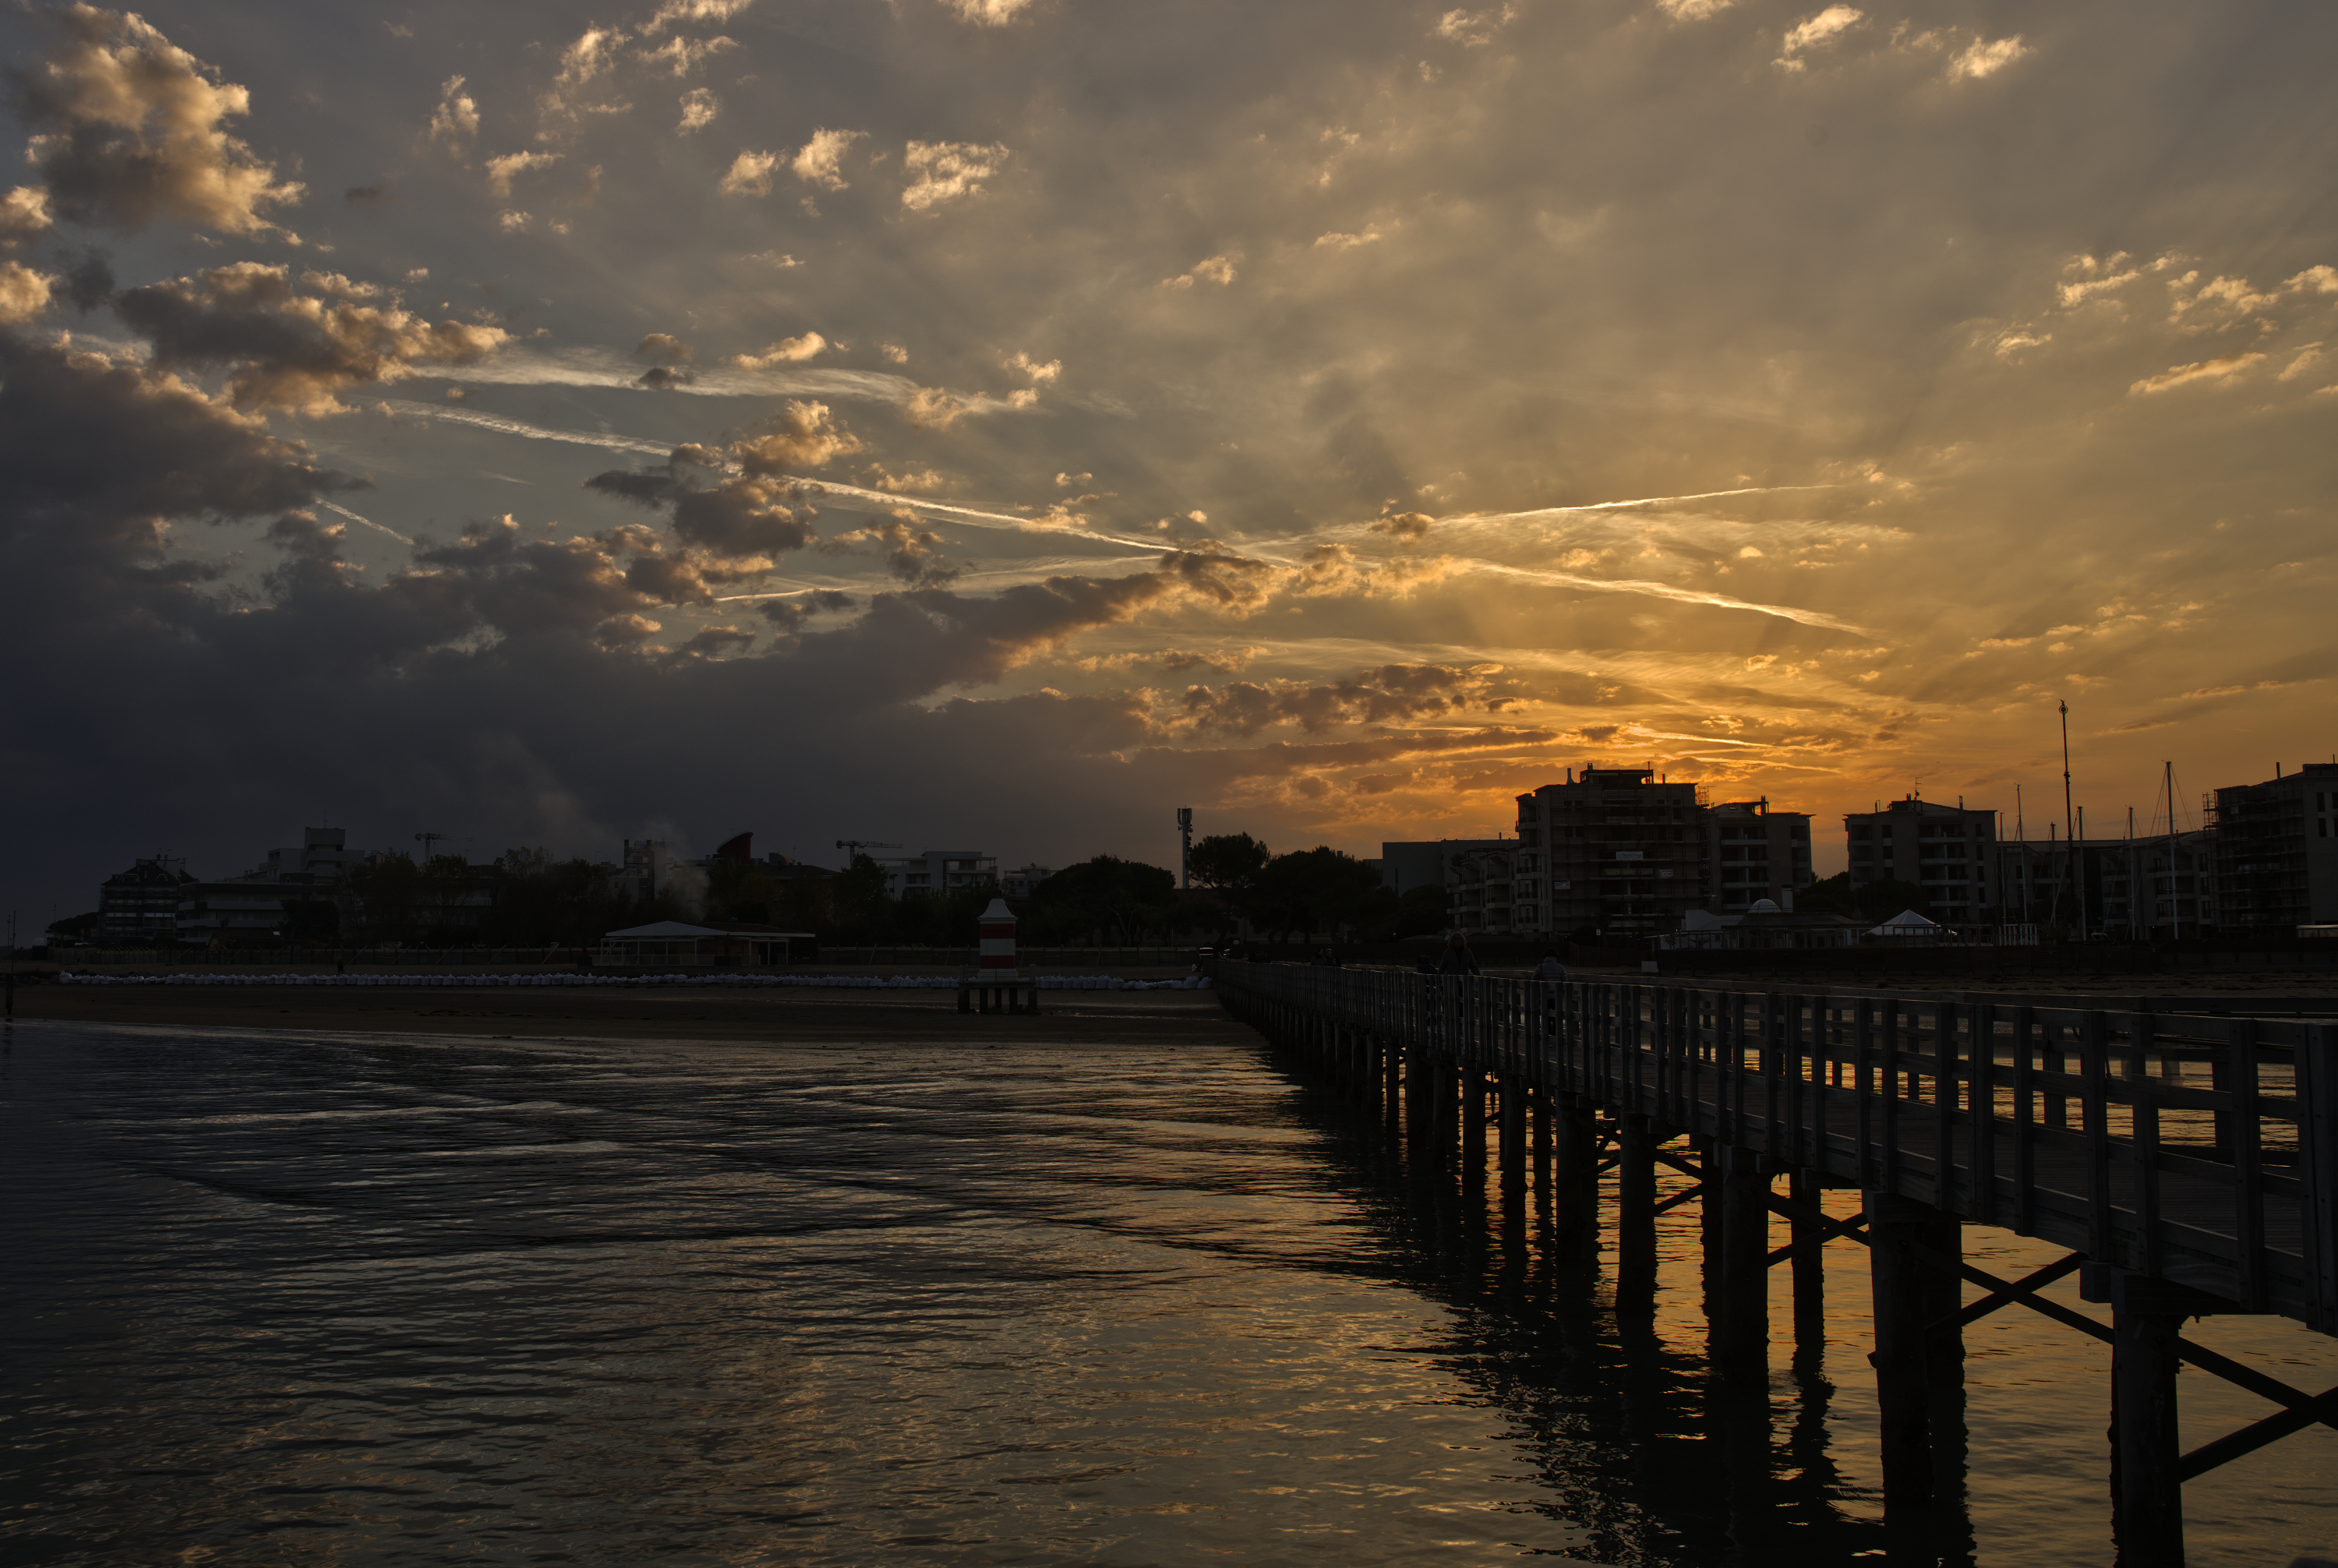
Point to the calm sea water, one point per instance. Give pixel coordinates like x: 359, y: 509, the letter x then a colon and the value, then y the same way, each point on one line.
x: 302, y: 1297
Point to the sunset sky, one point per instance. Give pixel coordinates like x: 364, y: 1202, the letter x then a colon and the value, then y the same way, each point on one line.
x: 1000, y: 422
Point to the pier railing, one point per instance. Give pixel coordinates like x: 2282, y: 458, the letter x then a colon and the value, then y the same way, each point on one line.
x: 2203, y: 1150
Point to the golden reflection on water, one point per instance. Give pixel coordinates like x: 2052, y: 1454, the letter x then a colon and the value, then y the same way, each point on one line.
x: 288, y: 1297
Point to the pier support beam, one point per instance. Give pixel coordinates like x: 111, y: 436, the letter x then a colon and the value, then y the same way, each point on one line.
x: 2145, y: 1446
x: 1636, y: 1219
x: 1943, y: 1240
x: 1543, y: 1132
x: 1575, y: 1173
x: 1420, y: 1099
x: 2146, y: 1456
x: 1513, y: 1133
x: 1472, y: 1085
x: 1741, y: 1289
x: 1709, y: 1218
x: 1444, y: 1111
x: 1391, y: 1084
x: 1809, y: 1265
x: 1895, y: 1229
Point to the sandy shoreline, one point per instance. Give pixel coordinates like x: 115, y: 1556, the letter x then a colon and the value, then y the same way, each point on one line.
x: 1132, y: 1018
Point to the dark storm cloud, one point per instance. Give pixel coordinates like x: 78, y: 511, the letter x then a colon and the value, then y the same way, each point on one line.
x: 94, y: 444
x: 502, y: 676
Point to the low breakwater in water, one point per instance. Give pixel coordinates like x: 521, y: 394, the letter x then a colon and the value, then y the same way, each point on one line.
x: 284, y: 1295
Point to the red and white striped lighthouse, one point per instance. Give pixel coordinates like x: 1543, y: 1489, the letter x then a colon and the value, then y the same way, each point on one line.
x: 997, y: 928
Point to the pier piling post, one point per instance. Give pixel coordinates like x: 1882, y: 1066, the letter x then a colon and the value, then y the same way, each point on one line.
x: 1709, y: 1217
x: 1574, y: 1159
x: 2146, y: 1456
x: 1542, y: 1143
x: 1391, y: 1084
x: 1513, y: 1106
x: 2147, y: 1451
x: 1894, y: 1229
x: 1472, y: 1085
x: 1419, y: 1098
x: 1741, y: 1339
x: 1636, y: 1218
x: 1445, y: 1093
x: 1809, y: 1264
x: 2149, y: 1503
x: 1942, y: 1237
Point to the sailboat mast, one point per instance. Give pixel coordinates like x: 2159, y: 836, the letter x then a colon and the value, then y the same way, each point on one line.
x: 2070, y: 827
x: 2175, y: 909
x: 2021, y: 840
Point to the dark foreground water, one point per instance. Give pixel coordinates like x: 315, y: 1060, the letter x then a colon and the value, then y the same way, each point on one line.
x: 298, y: 1298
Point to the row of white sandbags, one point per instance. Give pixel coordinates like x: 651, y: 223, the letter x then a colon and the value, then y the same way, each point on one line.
x: 848, y: 982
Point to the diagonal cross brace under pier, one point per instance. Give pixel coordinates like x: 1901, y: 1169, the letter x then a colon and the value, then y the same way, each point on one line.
x: 2299, y: 1409
x: 1833, y: 1229
x: 2020, y: 1290
x: 2257, y: 1435
x: 2308, y: 1409
x: 1685, y: 1167
x: 1679, y: 1198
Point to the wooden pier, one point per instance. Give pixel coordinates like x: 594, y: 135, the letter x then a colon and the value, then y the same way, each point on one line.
x: 2188, y: 1162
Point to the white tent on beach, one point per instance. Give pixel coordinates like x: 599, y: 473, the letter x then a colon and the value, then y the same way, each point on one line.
x: 1907, y: 923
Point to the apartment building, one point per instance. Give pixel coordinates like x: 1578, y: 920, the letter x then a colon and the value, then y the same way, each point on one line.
x: 1480, y: 884
x: 1752, y: 853
x: 936, y: 871
x: 1947, y: 850
x: 1412, y: 863
x: 2137, y: 889
x: 642, y: 872
x: 2278, y: 852
x: 1019, y: 882
x: 291, y: 893
x: 139, y: 908
x: 1621, y: 850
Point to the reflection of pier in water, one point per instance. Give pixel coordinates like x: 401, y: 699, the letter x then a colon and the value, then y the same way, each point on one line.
x: 2189, y: 1164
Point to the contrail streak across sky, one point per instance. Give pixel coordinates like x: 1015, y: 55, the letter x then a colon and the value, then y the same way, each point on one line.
x: 978, y: 519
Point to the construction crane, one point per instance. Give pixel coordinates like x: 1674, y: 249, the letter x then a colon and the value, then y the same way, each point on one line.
x: 857, y: 845
x: 427, y: 841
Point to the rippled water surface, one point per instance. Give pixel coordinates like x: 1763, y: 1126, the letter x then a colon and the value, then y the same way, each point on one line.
x: 301, y: 1298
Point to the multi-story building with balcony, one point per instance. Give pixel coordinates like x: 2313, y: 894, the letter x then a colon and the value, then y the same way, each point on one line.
x: 937, y: 871
x: 2124, y: 886
x: 293, y: 892
x: 139, y: 908
x: 1480, y: 886
x: 1619, y: 850
x: 1412, y: 863
x: 1752, y: 853
x: 1947, y: 850
x: 2277, y: 852
x: 1019, y: 882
